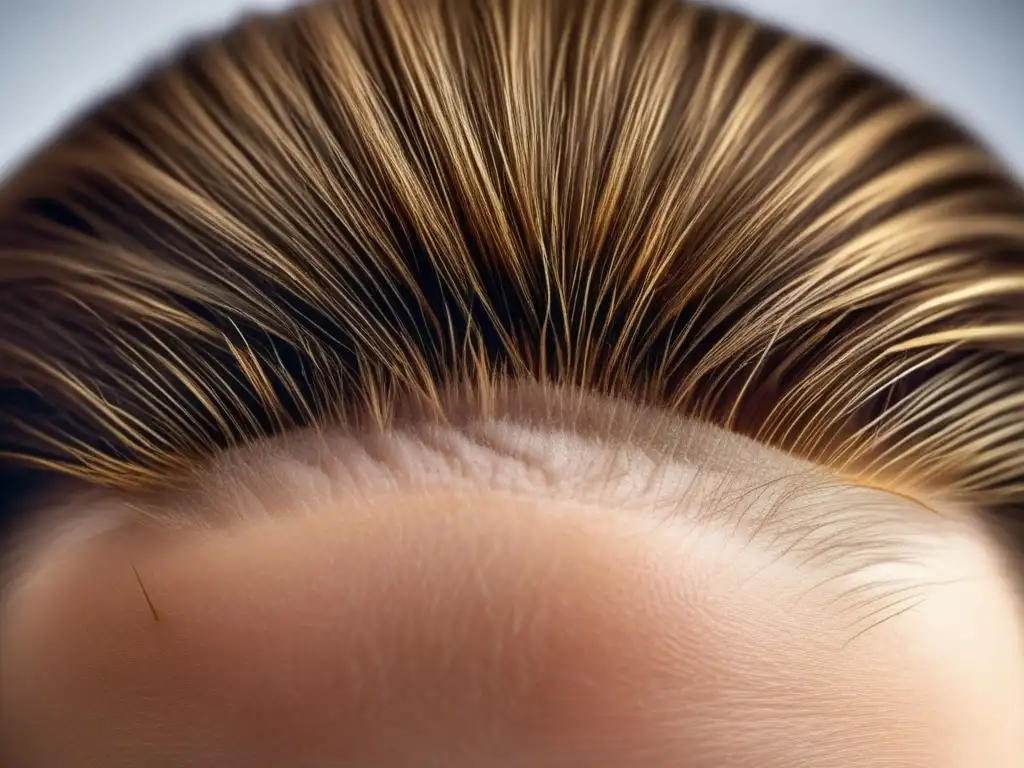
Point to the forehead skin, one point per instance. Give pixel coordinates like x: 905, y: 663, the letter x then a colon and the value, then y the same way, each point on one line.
x: 352, y: 621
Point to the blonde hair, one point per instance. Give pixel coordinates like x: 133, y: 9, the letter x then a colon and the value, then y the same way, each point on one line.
x: 358, y: 203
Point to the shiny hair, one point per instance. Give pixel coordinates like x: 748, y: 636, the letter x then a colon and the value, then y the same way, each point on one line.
x: 329, y: 213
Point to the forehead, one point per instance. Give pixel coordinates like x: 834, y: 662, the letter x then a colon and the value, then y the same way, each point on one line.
x: 524, y: 617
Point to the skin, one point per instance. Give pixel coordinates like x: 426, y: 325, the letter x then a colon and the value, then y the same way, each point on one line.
x: 479, y: 599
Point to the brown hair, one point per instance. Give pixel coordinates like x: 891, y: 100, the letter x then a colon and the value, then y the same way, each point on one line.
x: 320, y: 214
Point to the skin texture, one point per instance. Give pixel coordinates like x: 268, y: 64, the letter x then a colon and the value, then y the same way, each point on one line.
x: 480, y: 612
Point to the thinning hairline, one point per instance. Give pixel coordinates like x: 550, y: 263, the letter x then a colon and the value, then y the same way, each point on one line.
x: 565, y: 445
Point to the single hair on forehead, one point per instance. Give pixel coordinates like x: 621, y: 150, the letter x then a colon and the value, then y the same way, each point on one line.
x: 360, y: 207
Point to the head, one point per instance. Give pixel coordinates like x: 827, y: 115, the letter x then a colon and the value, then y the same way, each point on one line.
x: 541, y: 383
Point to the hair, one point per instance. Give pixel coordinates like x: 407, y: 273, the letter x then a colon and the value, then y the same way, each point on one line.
x: 320, y: 215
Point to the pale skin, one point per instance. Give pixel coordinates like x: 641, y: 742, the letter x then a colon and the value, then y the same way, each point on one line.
x: 514, y: 592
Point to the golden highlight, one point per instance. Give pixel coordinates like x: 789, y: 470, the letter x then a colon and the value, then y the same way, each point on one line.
x: 362, y: 203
